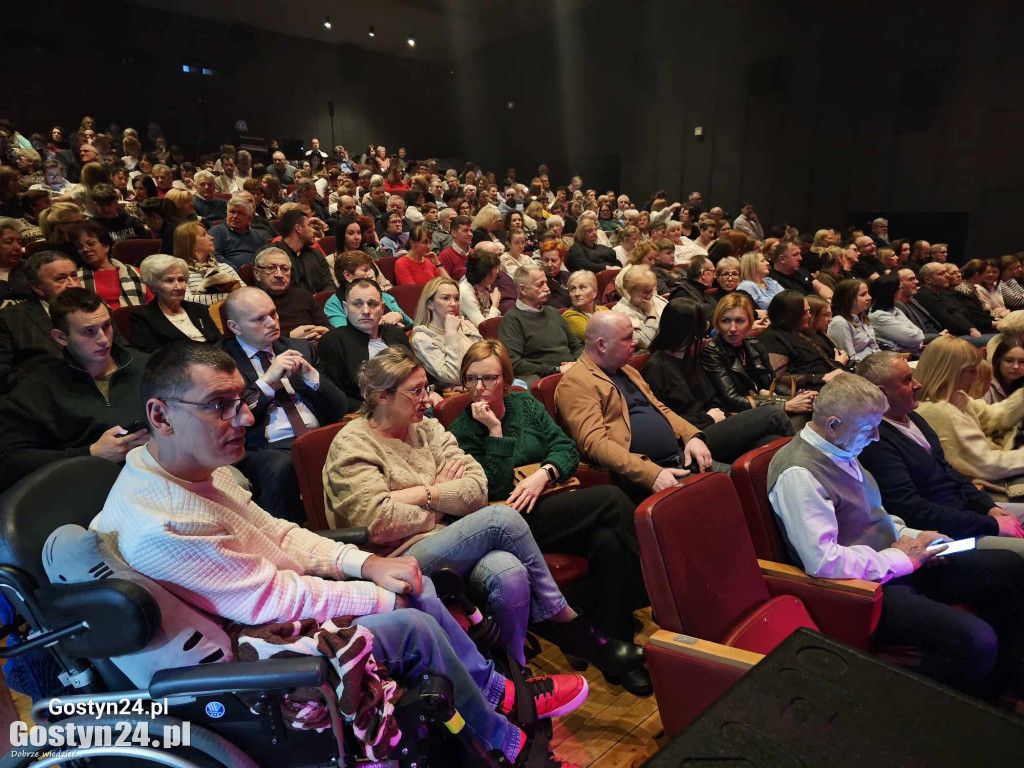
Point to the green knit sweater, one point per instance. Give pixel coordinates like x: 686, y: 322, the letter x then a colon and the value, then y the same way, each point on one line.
x: 529, y: 436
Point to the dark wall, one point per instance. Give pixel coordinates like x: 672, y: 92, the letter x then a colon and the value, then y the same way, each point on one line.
x: 123, y: 62
x: 814, y: 111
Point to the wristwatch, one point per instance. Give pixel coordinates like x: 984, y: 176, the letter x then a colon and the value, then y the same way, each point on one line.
x: 551, y: 473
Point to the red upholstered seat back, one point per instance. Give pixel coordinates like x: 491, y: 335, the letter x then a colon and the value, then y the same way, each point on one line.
x: 449, y: 409
x: 309, y: 453
x: 698, y: 563
x: 489, y: 327
x: 328, y: 244
x: 408, y: 297
x: 122, y: 317
x: 386, y: 265
x: 134, y: 251
x: 544, y: 390
x: 750, y: 476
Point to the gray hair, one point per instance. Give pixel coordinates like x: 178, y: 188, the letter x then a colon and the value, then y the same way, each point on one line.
x: 848, y: 395
x: 6, y: 223
x: 204, y: 175
x: 522, y: 274
x: 555, y: 220
x: 154, y: 267
x: 242, y: 202
x: 261, y: 257
x: 877, y: 367
x: 673, y: 226
x: 447, y: 213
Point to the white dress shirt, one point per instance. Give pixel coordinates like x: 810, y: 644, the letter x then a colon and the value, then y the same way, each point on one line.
x: 809, y: 519
x: 278, y: 427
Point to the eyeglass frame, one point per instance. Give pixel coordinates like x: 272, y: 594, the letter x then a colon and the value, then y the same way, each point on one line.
x: 427, y: 391
x: 284, y: 269
x: 496, y: 377
x: 249, y: 402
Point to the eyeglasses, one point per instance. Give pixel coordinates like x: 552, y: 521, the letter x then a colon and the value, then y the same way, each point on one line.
x: 707, y: 270
x: 728, y: 274
x: 228, y: 410
x: 284, y: 269
x: 488, y: 381
x: 419, y: 393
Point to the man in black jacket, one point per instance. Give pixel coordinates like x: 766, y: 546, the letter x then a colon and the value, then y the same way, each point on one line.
x: 933, y: 296
x: 310, y: 269
x: 287, y: 396
x: 344, y: 349
x: 300, y: 315
x: 79, y: 404
x: 916, y: 481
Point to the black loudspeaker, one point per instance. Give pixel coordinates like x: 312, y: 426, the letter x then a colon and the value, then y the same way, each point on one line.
x: 816, y: 702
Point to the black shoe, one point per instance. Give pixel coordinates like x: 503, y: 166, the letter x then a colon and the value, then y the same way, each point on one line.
x: 637, y: 682
x: 584, y: 644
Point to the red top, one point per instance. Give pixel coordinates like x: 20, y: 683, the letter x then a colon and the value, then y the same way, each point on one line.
x: 108, y: 286
x: 408, y: 272
x: 396, y: 187
x: 453, y: 262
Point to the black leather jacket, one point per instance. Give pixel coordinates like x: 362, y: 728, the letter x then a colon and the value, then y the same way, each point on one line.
x: 731, y: 379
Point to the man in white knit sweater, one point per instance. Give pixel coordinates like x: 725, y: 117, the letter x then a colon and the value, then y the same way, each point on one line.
x: 177, y: 516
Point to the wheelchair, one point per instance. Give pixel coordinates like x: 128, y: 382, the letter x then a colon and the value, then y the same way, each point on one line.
x: 232, y: 708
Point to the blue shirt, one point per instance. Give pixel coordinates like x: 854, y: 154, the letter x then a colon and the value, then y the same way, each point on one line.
x: 210, y: 210
x: 761, y: 296
x: 236, y: 249
x: 337, y: 316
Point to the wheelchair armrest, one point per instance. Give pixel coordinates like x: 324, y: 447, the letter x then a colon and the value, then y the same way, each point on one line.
x: 237, y: 676
x: 360, y: 535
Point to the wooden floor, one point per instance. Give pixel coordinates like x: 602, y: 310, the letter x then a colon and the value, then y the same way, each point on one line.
x: 613, y: 729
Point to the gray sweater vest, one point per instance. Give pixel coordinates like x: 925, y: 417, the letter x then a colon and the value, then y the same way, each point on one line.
x: 858, y: 506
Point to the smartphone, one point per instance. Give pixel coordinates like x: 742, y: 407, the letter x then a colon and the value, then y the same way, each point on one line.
x: 135, y: 426
x: 954, y: 547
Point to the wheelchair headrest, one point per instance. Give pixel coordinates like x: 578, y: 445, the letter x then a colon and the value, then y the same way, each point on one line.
x: 67, y: 491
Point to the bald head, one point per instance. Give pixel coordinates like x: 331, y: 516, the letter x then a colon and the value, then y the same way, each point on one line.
x: 242, y: 300
x: 603, y: 324
x: 609, y: 340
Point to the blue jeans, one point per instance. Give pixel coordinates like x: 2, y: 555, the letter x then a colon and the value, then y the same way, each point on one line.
x: 494, y: 549
x: 411, y: 641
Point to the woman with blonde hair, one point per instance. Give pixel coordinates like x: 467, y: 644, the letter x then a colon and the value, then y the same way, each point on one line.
x: 440, y: 335
x: 625, y: 241
x: 515, y: 256
x: 184, y: 201
x: 582, y: 287
x: 587, y: 252
x: 644, y: 254
x: 487, y: 219
x: 967, y: 427
x: 209, y: 281
x: 535, y: 212
x: 57, y: 223
x: 754, y: 280
x: 642, y: 304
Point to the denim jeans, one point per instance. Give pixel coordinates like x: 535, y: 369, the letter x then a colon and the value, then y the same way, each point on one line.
x: 494, y: 549
x: 413, y: 640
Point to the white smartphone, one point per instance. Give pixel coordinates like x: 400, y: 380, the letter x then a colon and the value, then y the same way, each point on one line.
x: 954, y: 547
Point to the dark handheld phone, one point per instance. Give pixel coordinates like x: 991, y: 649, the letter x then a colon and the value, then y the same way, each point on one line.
x: 135, y: 426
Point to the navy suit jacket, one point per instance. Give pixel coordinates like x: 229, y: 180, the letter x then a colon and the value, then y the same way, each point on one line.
x: 328, y: 403
x: 921, y: 487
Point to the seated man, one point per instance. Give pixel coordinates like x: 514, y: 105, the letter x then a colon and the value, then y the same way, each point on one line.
x: 935, y: 297
x: 289, y: 398
x: 617, y: 422
x: 539, y: 342
x: 299, y: 314
x: 310, y: 269
x: 235, y: 242
x: 209, y: 208
x: 79, y: 404
x: 119, y: 224
x: 344, y: 349
x: 835, y: 527
x: 906, y: 302
x: 915, y: 480
x: 787, y: 272
x: 178, y: 517
x: 454, y: 257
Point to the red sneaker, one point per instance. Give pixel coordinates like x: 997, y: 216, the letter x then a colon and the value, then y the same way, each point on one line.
x: 554, y: 695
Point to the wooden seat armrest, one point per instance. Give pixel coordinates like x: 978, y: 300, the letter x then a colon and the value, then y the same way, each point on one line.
x: 792, y: 573
x: 704, y: 649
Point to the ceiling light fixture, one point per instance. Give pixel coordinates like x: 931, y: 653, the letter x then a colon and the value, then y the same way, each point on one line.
x: 412, y: 42
x: 371, y: 31
x: 327, y: 22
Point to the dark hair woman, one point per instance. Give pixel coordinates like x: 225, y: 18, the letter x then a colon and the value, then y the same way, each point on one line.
x: 678, y: 380
x: 789, y: 350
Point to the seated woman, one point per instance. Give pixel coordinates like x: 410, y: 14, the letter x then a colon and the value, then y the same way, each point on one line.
x: 514, y: 223
x: 727, y: 277
x: 394, y: 239
x: 441, y: 335
x: 349, y: 266
x: 168, y: 317
x: 420, y: 265
x: 1007, y: 370
x: 515, y: 255
x: 162, y: 217
x: 406, y: 479
x: 209, y: 280
x: 350, y: 235
x: 678, y: 380
x: 892, y: 327
x: 850, y: 328
x: 552, y: 262
x: 790, y: 351
x: 832, y: 262
x: 486, y: 221
x: 642, y: 305
x: 117, y: 284
x: 817, y: 330
x: 503, y: 430
x: 967, y: 427
x: 582, y: 287
x: 983, y: 276
x: 625, y: 241
x: 479, y: 294
x: 58, y: 224
x: 645, y: 254
x: 754, y: 280
x: 737, y: 365
x: 605, y: 218
x: 1009, y: 285
x: 587, y: 252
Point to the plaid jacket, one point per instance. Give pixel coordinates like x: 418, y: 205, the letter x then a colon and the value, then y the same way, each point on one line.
x: 132, y: 291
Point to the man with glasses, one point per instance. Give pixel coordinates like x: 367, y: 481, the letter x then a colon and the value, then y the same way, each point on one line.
x: 288, y: 398
x: 82, y: 402
x: 299, y: 313
x: 344, y: 349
